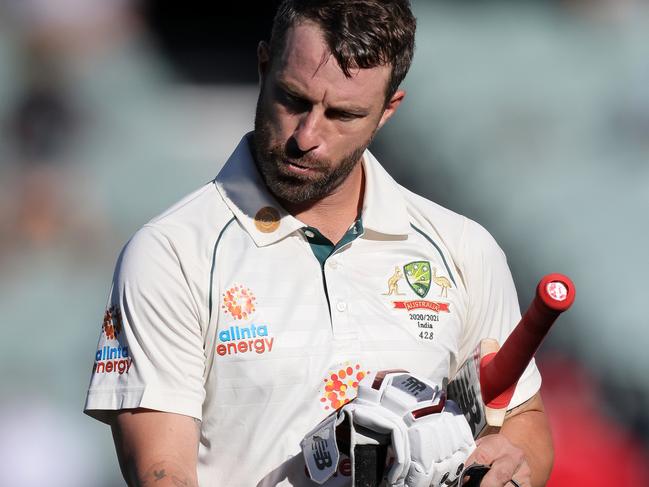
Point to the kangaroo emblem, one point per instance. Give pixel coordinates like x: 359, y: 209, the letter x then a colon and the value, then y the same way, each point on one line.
x: 393, y: 283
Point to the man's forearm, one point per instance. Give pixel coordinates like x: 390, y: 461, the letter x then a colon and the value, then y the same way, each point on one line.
x: 165, y: 473
x: 156, y: 449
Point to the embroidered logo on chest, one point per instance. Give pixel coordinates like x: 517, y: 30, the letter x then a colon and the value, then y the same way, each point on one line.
x: 244, y: 337
x: 424, y: 313
x: 238, y: 302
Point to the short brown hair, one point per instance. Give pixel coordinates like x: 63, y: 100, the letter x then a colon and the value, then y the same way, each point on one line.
x: 359, y: 33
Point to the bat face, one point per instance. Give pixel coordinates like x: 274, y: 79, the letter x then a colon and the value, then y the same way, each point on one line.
x: 465, y: 389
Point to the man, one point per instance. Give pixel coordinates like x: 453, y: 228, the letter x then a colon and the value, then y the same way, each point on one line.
x: 249, y: 311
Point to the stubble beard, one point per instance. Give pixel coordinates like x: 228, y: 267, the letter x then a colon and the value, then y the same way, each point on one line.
x: 271, y: 157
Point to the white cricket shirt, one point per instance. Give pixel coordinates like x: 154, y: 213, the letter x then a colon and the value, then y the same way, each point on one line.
x: 220, y: 309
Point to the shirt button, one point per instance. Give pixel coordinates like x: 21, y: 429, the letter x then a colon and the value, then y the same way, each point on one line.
x: 333, y: 264
x: 341, y: 306
x: 309, y: 233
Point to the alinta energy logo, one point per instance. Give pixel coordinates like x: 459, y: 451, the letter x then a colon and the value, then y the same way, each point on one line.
x: 341, y: 385
x: 238, y: 302
x: 244, y: 339
x: 110, y: 359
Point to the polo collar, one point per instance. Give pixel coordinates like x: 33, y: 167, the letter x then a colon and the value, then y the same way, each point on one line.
x: 267, y: 222
x: 245, y: 193
x: 384, y: 208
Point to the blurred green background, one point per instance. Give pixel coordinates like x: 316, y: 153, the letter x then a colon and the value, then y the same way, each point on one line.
x: 531, y: 117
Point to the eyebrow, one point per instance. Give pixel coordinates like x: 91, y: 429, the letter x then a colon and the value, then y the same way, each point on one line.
x: 293, y: 90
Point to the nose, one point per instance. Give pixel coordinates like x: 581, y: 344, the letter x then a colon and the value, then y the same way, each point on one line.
x: 307, y: 134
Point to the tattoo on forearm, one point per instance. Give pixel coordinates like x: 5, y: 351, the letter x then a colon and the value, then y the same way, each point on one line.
x: 161, y: 471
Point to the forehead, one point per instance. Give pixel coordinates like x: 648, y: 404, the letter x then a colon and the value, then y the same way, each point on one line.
x: 307, y: 64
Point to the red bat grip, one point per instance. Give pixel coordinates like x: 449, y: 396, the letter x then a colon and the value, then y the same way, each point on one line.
x: 555, y: 293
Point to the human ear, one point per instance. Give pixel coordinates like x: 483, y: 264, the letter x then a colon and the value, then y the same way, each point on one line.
x: 263, y: 60
x: 391, y: 107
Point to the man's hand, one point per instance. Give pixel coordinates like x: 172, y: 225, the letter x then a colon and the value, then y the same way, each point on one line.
x: 507, y: 462
x: 522, y: 449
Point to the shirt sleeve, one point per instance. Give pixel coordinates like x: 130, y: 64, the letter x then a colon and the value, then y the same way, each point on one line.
x: 150, y: 352
x: 493, y: 309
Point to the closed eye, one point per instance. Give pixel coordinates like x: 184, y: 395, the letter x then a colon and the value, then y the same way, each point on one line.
x: 342, y: 115
x: 292, y: 102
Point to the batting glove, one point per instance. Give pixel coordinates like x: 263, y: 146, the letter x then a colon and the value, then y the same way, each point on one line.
x: 429, y: 437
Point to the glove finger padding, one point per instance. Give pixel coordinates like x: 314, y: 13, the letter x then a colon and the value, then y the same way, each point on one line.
x: 439, y: 445
x: 429, y: 437
x: 374, y: 425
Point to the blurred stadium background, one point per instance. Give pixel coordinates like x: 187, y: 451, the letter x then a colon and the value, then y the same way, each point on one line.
x: 531, y: 117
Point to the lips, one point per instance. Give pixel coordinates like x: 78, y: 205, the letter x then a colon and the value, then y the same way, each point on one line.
x: 295, y: 164
x: 299, y: 167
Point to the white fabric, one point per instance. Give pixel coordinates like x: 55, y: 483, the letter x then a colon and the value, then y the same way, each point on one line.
x: 241, y: 327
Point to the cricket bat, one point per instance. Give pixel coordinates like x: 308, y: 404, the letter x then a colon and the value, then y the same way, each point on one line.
x: 485, y: 383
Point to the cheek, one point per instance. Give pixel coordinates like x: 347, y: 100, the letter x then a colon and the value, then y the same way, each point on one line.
x: 270, y: 114
x: 354, y: 135
x: 281, y: 123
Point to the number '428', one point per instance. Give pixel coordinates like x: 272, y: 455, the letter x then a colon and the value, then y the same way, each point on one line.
x: 426, y: 335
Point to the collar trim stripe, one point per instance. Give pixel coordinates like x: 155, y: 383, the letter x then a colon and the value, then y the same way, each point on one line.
x: 448, y: 270
x: 216, y: 244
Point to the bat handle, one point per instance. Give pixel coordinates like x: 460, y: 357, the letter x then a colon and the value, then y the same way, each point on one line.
x: 500, y: 372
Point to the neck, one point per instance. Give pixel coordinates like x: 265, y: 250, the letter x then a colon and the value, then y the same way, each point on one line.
x: 335, y: 213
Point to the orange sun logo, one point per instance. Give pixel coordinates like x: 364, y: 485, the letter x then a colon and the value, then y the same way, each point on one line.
x: 112, y: 324
x: 239, y: 302
x: 341, y: 385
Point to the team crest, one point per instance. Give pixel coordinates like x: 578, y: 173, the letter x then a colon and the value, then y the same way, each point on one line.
x: 425, y: 313
x: 418, y: 276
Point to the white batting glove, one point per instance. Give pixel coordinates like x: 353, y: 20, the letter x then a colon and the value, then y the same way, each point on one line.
x: 439, y: 445
x: 429, y: 437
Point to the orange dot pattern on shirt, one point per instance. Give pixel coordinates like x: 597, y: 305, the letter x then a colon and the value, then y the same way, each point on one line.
x: 239, y: 302
x: 112, y: 324
x: 341, y: 385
